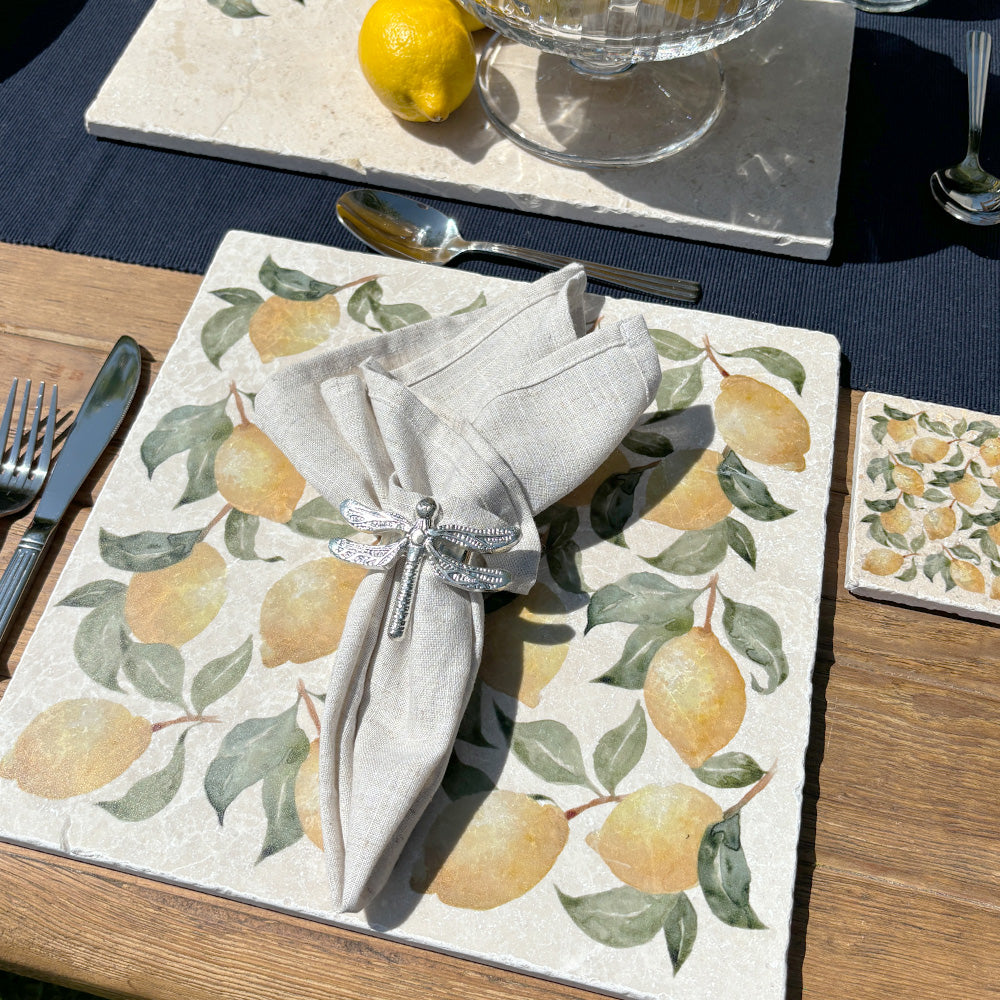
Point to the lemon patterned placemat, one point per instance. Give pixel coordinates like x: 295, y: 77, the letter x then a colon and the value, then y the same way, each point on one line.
x: 628, y: 774
x: 925, y: 506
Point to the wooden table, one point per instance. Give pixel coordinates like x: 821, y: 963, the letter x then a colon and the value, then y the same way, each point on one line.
x: 898, y: 889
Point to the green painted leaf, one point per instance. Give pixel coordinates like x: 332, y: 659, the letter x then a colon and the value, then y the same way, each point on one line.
x: 957, y: 459
x: 278, y: 799
x: 183, y: 428
x: 917, y: 543
x: 934, y: 426
x: 238, y: 296
x: 879, y: 429
x: 613, y: 503
x: 741, y: 541
x: 880, y: 466
x: 746, y: 492
x: 987, y: 517
x: 367, y: 300
x: 694, y: 552
x: 755, y: 634
x: 882, y: 506
x: 319, y: 519
x: 729, y: 770
x: 565, y: 565
x: 549, y: 749
x: 777, y: 362
x: 946, y: 477
x: 558, y: 524
x: 724, y: 875
x: 146, y: 551
x: 640, y: 599
x: 930, y: 495
x: 94, y: 594
x: 477, y: 303
x: 640, y: 648
x: 224, y: 329
x: 236, y: 8
x: 620, y: 749
x: 249, y: 751
x: 679, y: 388
x: 241, y: 536
x: 991, y: 491
x: 154, y: 792
x: 674, y: 346
x: 201, y: 469
x: 878, y: 532
x: 680, y: 927
x: 987, y: 544
x: 964, y: 552
x: 618, y: 918
x: 649, y: 443
x: 908, y: 574
x: 101, y: 642
x: 893, y: 414
x: 905, y: 458
x: 219, y: 676
x: 934, y: 564
x: 461, y: 779
x: 960, y: 428
x: 291, y: 284
x: 155, y: 670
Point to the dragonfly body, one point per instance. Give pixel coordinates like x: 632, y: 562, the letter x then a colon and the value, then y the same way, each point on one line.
x: 421, y: 539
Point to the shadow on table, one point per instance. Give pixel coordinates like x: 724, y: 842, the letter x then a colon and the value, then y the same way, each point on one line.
x: 28, y: 27
x: 957, y: 10
x: 906, y: 117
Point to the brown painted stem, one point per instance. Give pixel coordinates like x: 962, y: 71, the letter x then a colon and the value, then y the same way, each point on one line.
x: 157, y: 726
x: 713, y: 358
x: 310, y: 704
x: 215, y: 520
x: 603, y: 800
x: 713, y: 589
x: 762, y: 783
x: 244, y: 419
x: 358, y: 281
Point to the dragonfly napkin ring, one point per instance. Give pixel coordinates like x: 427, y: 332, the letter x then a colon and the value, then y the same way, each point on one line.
x: 420, y: 538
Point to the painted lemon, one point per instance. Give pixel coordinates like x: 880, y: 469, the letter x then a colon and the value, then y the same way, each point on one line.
x: 280, y: 327
x: 253, y: 474
x: 683, y: 491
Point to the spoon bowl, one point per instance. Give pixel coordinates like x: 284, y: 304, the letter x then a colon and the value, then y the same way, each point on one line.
x: 966, y: 191
x: 402, y: 227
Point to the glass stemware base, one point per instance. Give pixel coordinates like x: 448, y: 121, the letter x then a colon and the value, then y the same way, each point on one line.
x: 598, y: 114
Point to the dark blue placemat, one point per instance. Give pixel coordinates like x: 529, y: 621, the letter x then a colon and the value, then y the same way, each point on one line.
x: 913, y: 296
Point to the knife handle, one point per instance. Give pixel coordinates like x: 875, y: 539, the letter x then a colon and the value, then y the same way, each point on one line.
x: 18, y: 573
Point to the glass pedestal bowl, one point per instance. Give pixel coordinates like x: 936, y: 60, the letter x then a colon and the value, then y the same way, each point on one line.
x: 607, y: 83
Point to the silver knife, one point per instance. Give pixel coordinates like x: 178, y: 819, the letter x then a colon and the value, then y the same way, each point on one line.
x: 94, y: 427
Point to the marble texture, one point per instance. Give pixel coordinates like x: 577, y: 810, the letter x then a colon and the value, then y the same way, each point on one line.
x: 765, y: 177
x: 925, y: 505
x: 203, y: 805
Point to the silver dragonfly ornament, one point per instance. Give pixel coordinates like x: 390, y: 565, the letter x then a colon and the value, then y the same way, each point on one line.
x: 420, y: 538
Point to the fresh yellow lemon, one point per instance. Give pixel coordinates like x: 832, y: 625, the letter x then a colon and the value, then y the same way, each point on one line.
x: 418, y: 57
x: 471, y: 22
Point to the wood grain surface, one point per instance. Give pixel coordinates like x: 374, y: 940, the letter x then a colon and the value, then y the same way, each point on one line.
x: 898, y: 889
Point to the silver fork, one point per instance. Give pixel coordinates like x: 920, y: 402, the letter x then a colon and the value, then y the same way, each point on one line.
x: 21, y: 472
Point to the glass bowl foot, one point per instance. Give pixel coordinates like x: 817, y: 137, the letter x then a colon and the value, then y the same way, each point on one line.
x: 589, y: 115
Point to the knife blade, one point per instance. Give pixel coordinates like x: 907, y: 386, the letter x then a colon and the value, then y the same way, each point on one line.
x: 99, y: 417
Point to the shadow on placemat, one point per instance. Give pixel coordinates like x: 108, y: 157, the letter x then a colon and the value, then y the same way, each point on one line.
x: 18, y: 988
x: 906, y: 117
x: 28, y: 27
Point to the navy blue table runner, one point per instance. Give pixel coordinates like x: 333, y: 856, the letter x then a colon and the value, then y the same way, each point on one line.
x: 912, y: 295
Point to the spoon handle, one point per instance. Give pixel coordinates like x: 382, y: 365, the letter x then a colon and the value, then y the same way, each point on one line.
x: 978, y: 46
x: 649, y: 284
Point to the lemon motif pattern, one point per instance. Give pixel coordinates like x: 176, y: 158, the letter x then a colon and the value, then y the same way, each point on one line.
x: 303, y: 614
x: 934, y: 527
x: 281, y: 327
x: 488, y: 849
x: 650, y: 840
x: 174, y: 604
x: 418, y: 57
x: 683, y: 491
x: 255, y: 477
x: 75, y: 747
x: 307, y: 795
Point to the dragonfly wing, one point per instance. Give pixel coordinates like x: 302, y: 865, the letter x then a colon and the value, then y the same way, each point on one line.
x: 371, y: 556
x: 374, y: 522
x: 459, y: 574
x: 477, y: 539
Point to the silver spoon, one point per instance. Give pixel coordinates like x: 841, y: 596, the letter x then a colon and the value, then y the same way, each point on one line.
x: 402, y: 227
x: 966, y: 191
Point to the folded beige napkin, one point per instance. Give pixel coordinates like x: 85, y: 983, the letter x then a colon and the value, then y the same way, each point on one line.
x: 495, y: 414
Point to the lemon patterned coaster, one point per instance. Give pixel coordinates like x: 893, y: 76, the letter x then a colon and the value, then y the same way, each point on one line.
x: 628, y: 773
x: 925, y: 506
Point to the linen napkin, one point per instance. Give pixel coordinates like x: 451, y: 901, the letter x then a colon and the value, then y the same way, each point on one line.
x: 495, y: 414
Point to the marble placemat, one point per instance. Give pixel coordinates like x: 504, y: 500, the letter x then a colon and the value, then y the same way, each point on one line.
x: 285, y: 90
x: 925, y: 506
x: 164, y: 716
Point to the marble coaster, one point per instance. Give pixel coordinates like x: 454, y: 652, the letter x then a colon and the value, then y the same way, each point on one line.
x: 925, y: 507
x: 164, y: 716
x: 765, y: 177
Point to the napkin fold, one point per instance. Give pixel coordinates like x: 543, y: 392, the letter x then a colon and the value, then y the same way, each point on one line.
x: 495, y: 414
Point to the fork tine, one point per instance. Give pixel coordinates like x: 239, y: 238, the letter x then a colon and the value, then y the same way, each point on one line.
x: 27, y: 464
x: 42, y: 466
x: 10, y: 466
x: 5, y: 426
